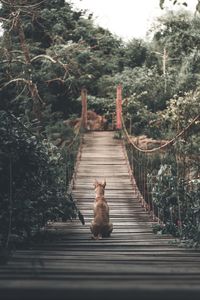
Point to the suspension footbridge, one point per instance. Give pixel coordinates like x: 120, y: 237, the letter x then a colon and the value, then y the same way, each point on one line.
x: 133, y: 262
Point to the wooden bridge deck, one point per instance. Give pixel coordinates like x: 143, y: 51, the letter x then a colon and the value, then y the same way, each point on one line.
x: 133, y: 262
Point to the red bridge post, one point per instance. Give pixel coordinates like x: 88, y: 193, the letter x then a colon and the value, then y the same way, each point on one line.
x: 84, y: 107
x: 119, y: 107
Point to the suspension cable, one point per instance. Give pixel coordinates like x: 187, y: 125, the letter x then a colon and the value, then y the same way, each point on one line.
x: 169, y: 143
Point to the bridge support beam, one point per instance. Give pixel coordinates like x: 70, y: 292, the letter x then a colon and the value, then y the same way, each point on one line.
x: 84, y: 108
x: 119, y: 107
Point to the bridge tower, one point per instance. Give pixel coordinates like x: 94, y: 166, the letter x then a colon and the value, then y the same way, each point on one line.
x: 84, y: 107
x: 119, y: 107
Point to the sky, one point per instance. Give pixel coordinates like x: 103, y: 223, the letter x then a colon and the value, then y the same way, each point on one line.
x: 126, y: 18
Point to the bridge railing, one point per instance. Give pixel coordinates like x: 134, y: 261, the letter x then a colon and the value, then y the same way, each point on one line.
x: 170, y: 192
x: 72, y: 154
x: 72, y: 151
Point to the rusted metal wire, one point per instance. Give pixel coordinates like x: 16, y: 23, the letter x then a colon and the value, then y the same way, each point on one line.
x: 169, y: 143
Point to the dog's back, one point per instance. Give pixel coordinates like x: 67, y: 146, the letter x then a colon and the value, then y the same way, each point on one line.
x: 101, y: 227
x: 101, y: 211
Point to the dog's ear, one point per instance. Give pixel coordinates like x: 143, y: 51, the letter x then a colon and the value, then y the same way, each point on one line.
x: 95, y: 183
x: 104, y: 183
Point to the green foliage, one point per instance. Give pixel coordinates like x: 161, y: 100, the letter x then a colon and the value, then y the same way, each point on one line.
x: 33, y: 184
x: 102, y: 106
x: 59, y: 132
x: 73, y: 53
x: 178, y: 33
x: 189, y: 72
x: 175, y: 40
x: 179, y: 2
x: 135, y: 54
x: 167, y: 228
x: 118, y: 135
x: 137, y: 116
x: 144, y: 83
x: 178, y: 203
x: 181, y: 110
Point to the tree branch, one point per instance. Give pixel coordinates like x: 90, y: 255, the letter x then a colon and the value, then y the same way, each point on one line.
x: 41, y: 56
x: 45, y: 57
x: 55, y: 79
x: 15, y: 81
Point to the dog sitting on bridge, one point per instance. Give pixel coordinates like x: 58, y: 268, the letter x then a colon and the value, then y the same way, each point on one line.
x: 100, y: 226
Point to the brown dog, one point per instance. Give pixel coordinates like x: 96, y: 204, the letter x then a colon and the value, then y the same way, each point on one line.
x: 100, y: 226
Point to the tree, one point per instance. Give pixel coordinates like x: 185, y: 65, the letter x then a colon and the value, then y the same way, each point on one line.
x: 61, y: 51
x: 145, y: 83
x: 179, y: 2
x: 135, y: 53
x: 178, y: 35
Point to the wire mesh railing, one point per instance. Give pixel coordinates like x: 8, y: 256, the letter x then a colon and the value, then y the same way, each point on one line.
x: 72, y: 154
x: 168, y: 179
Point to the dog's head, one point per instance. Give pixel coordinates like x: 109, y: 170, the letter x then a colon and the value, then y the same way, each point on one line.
x: 99, y: 187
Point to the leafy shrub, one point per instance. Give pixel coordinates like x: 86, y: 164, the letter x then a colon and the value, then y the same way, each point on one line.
x: 32, y: 180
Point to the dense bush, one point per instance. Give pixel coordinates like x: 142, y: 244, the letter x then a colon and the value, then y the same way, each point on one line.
x: 32, y: 180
